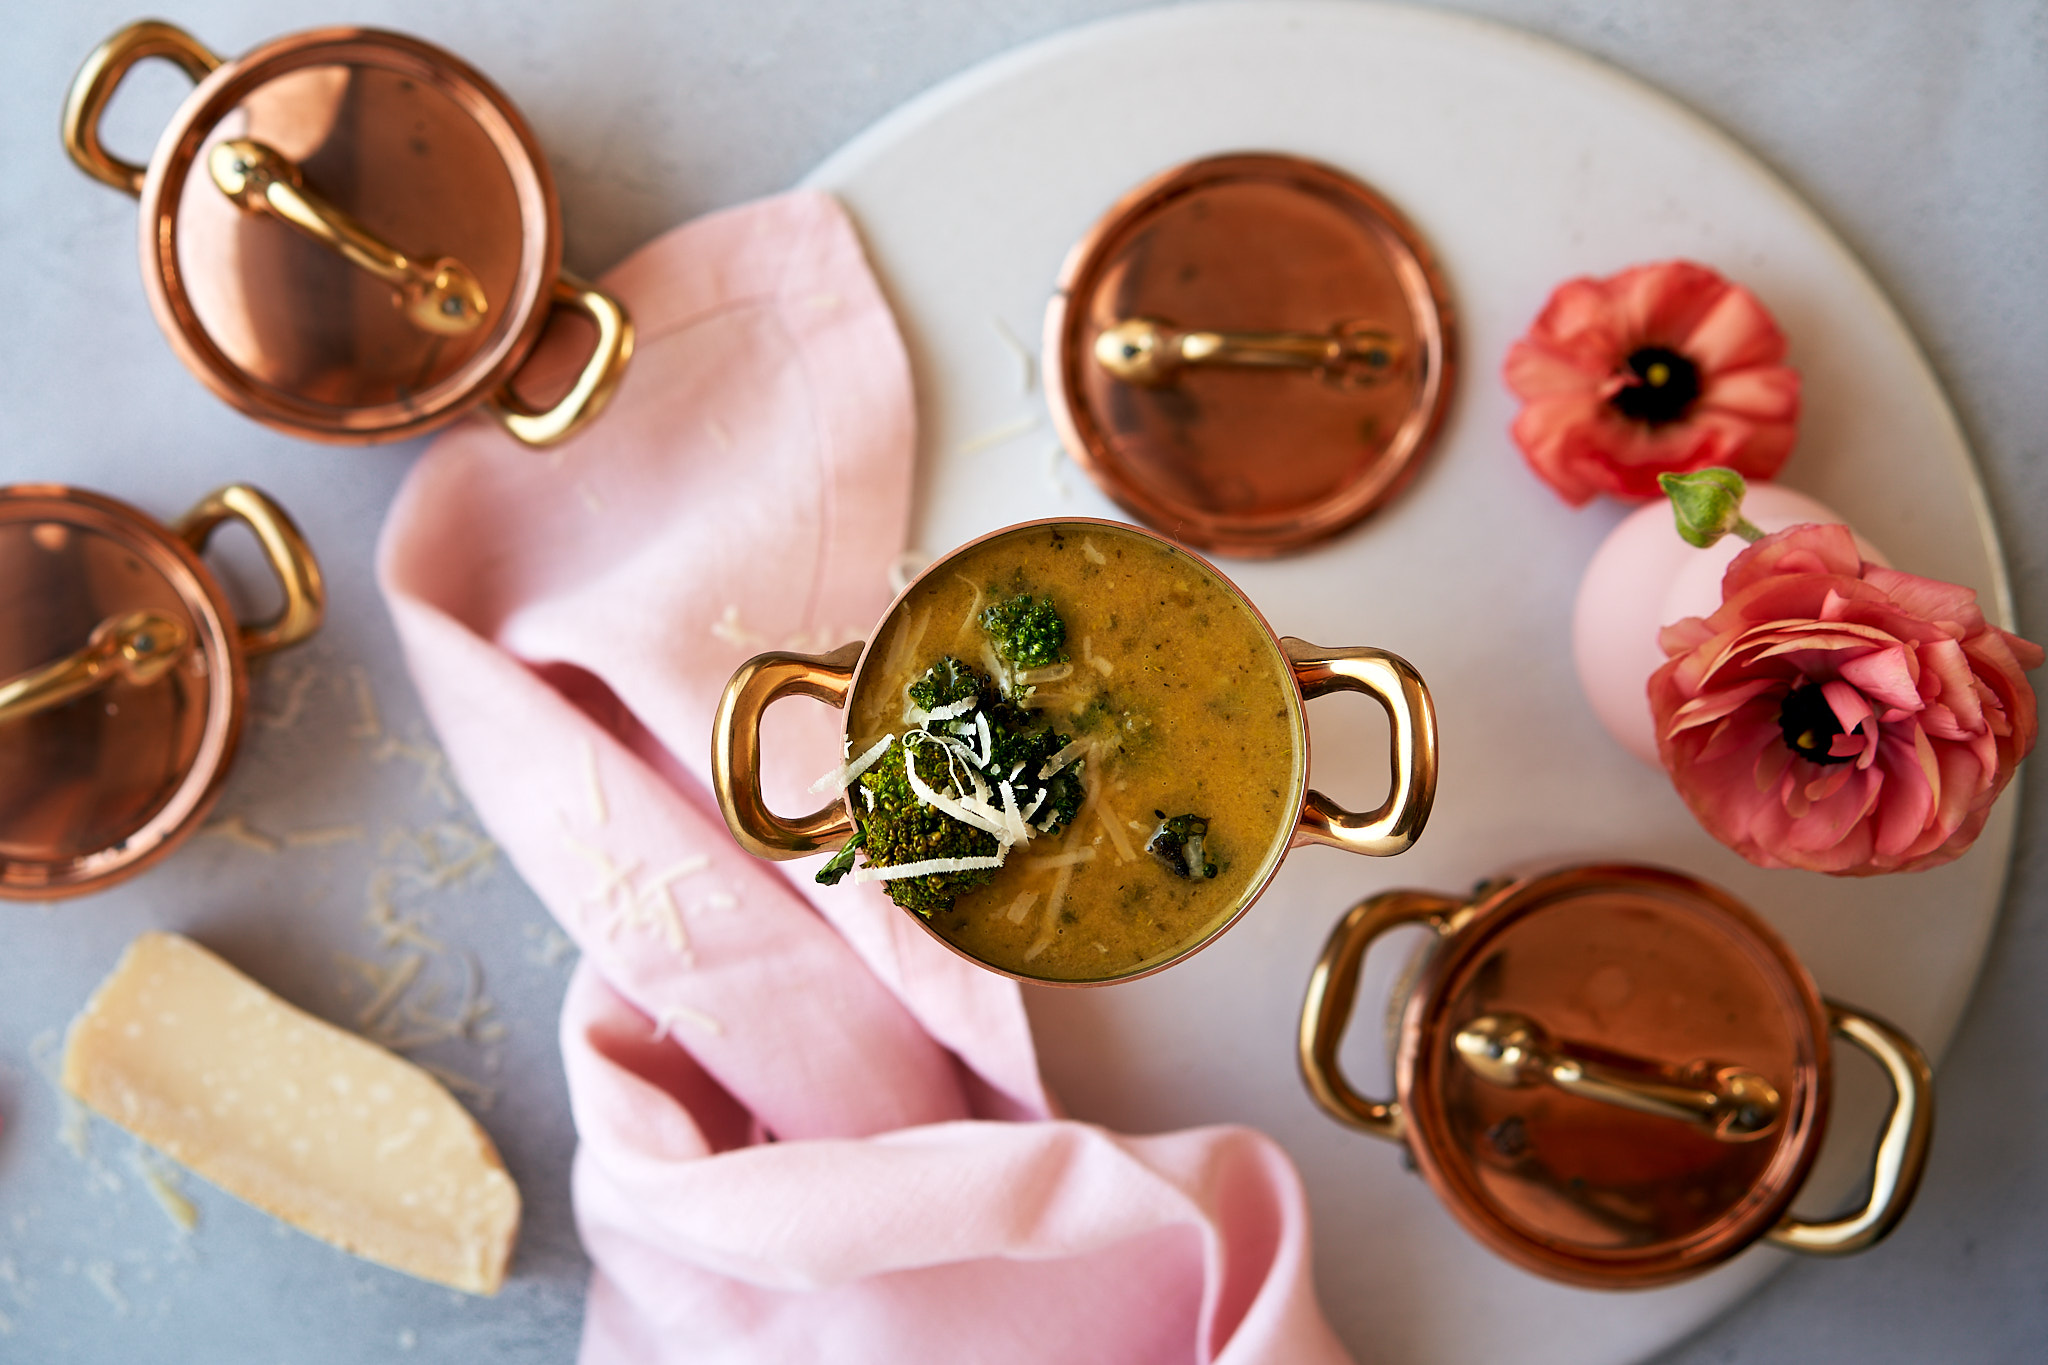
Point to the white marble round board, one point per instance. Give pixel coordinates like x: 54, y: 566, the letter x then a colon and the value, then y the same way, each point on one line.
x: 1523, y: 164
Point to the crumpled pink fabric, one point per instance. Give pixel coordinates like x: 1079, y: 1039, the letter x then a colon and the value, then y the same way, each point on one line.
x: 807, y: 1131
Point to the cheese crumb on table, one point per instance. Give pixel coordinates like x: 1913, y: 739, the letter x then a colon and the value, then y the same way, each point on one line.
x: 307, y: 1122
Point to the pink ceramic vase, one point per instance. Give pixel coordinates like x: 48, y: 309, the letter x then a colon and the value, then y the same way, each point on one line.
x: 1644, y: 577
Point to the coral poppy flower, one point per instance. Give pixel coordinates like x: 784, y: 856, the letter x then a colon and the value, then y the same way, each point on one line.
x: 1839, y: 716
x: 1662, y: 368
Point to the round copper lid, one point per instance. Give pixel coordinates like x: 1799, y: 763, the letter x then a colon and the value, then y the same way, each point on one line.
x: 1615, y: 1075
x: 349, y: 234
x: 123, y: 678
x: 1250, y: 352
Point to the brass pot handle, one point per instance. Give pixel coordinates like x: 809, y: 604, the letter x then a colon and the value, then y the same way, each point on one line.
x: 1901, y: 1150
x: 593, y: 387
x: 298, y: 573
x: 140, y: 646
x: 1728, y: 1103
x: 1411, y: 716
x: 94, y: 86
x: 441, y: 296
x: 736, y: 751
x: 1333, y: 990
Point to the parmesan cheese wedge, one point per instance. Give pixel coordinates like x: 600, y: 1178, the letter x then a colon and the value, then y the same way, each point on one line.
x: 309, y: 1123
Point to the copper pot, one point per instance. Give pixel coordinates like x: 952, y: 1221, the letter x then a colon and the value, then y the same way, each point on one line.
x: 350, y: 235
x: 1616, y: 1076
x: 124, y: 677
x: 837, y: 679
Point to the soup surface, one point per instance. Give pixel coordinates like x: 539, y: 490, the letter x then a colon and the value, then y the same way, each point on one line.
x: 1182, y: 705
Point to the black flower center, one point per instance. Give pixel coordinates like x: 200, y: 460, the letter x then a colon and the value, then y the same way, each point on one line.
x: 1665, y: 385
x: 1809, y: 725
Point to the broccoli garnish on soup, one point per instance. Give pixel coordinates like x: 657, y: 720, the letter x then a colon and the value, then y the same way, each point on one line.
x: 903, y: 829
x: 1027, y: 631
x: 1178, y: 843
x: 1001, y: 780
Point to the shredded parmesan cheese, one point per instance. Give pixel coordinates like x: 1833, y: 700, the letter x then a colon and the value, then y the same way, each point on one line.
x: 1052, y: 766
x: 1027, y: 362
x: 368, y: 725
x: 905, y: 567
x: 1056, y: 470
x: 973, y: 611
x: 839, y: 778
x: 294, y: 702
x: 1085, y: 854
x: 1051, y: 925
x: 323, y: 835
x: 1002, y: 435
x: 236, y: 830
x: 393, y: 986
x: 728, y: 628
x: 1113, y: 827
x: 671, y: 1015
x: 593, y: 785
x: 1021, y: 907
x: 1095, y: 556
x: 925, y: 868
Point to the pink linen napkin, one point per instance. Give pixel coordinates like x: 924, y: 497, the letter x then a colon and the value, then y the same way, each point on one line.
x: 807, y: 1131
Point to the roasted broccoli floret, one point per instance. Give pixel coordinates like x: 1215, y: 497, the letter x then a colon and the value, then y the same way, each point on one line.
x: 1020, y: 744
x: 895, y: 826
x: 945, y: 682
x: 903, y: 829
x: 1027, y: 631
x: 1178, y: 844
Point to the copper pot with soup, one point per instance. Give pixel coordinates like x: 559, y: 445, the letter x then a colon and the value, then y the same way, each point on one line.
x: 1075, y: 752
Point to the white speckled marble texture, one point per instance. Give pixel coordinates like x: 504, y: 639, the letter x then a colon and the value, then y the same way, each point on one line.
x: 1918, y: 130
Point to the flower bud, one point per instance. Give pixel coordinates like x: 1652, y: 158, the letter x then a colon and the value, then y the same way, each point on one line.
x: 1708, y: 505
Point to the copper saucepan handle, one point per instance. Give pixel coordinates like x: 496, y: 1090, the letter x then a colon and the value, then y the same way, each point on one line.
x: 1333, y: 990
x: 736, y: 751
x: 1901, y: 1150
x: 298, y: 573
x: 140, y: 646
x: 93, y: 87
x: 1394, y: 683
x: 594, y: 383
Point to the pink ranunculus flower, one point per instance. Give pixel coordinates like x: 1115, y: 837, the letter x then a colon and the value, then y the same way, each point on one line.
x: 1839, y: 716
x: 1661, y: 369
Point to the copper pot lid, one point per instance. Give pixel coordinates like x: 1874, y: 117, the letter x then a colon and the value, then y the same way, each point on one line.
x: 1615, y: 1075
x: 1250, y: 352
x: 349, y: 234
x: 123, y: 678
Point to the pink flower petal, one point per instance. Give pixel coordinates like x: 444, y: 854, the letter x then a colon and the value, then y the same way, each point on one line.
x: 1736, y: 333
x: 1888, y: 676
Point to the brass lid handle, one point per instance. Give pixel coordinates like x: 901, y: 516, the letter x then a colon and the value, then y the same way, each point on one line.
x: 441, y: 296
x: 1512, y: 1050
x: 140, y: 646
x: 1151, y: 353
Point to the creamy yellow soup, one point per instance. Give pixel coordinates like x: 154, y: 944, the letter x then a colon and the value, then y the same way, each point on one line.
x: 1187, y: 707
